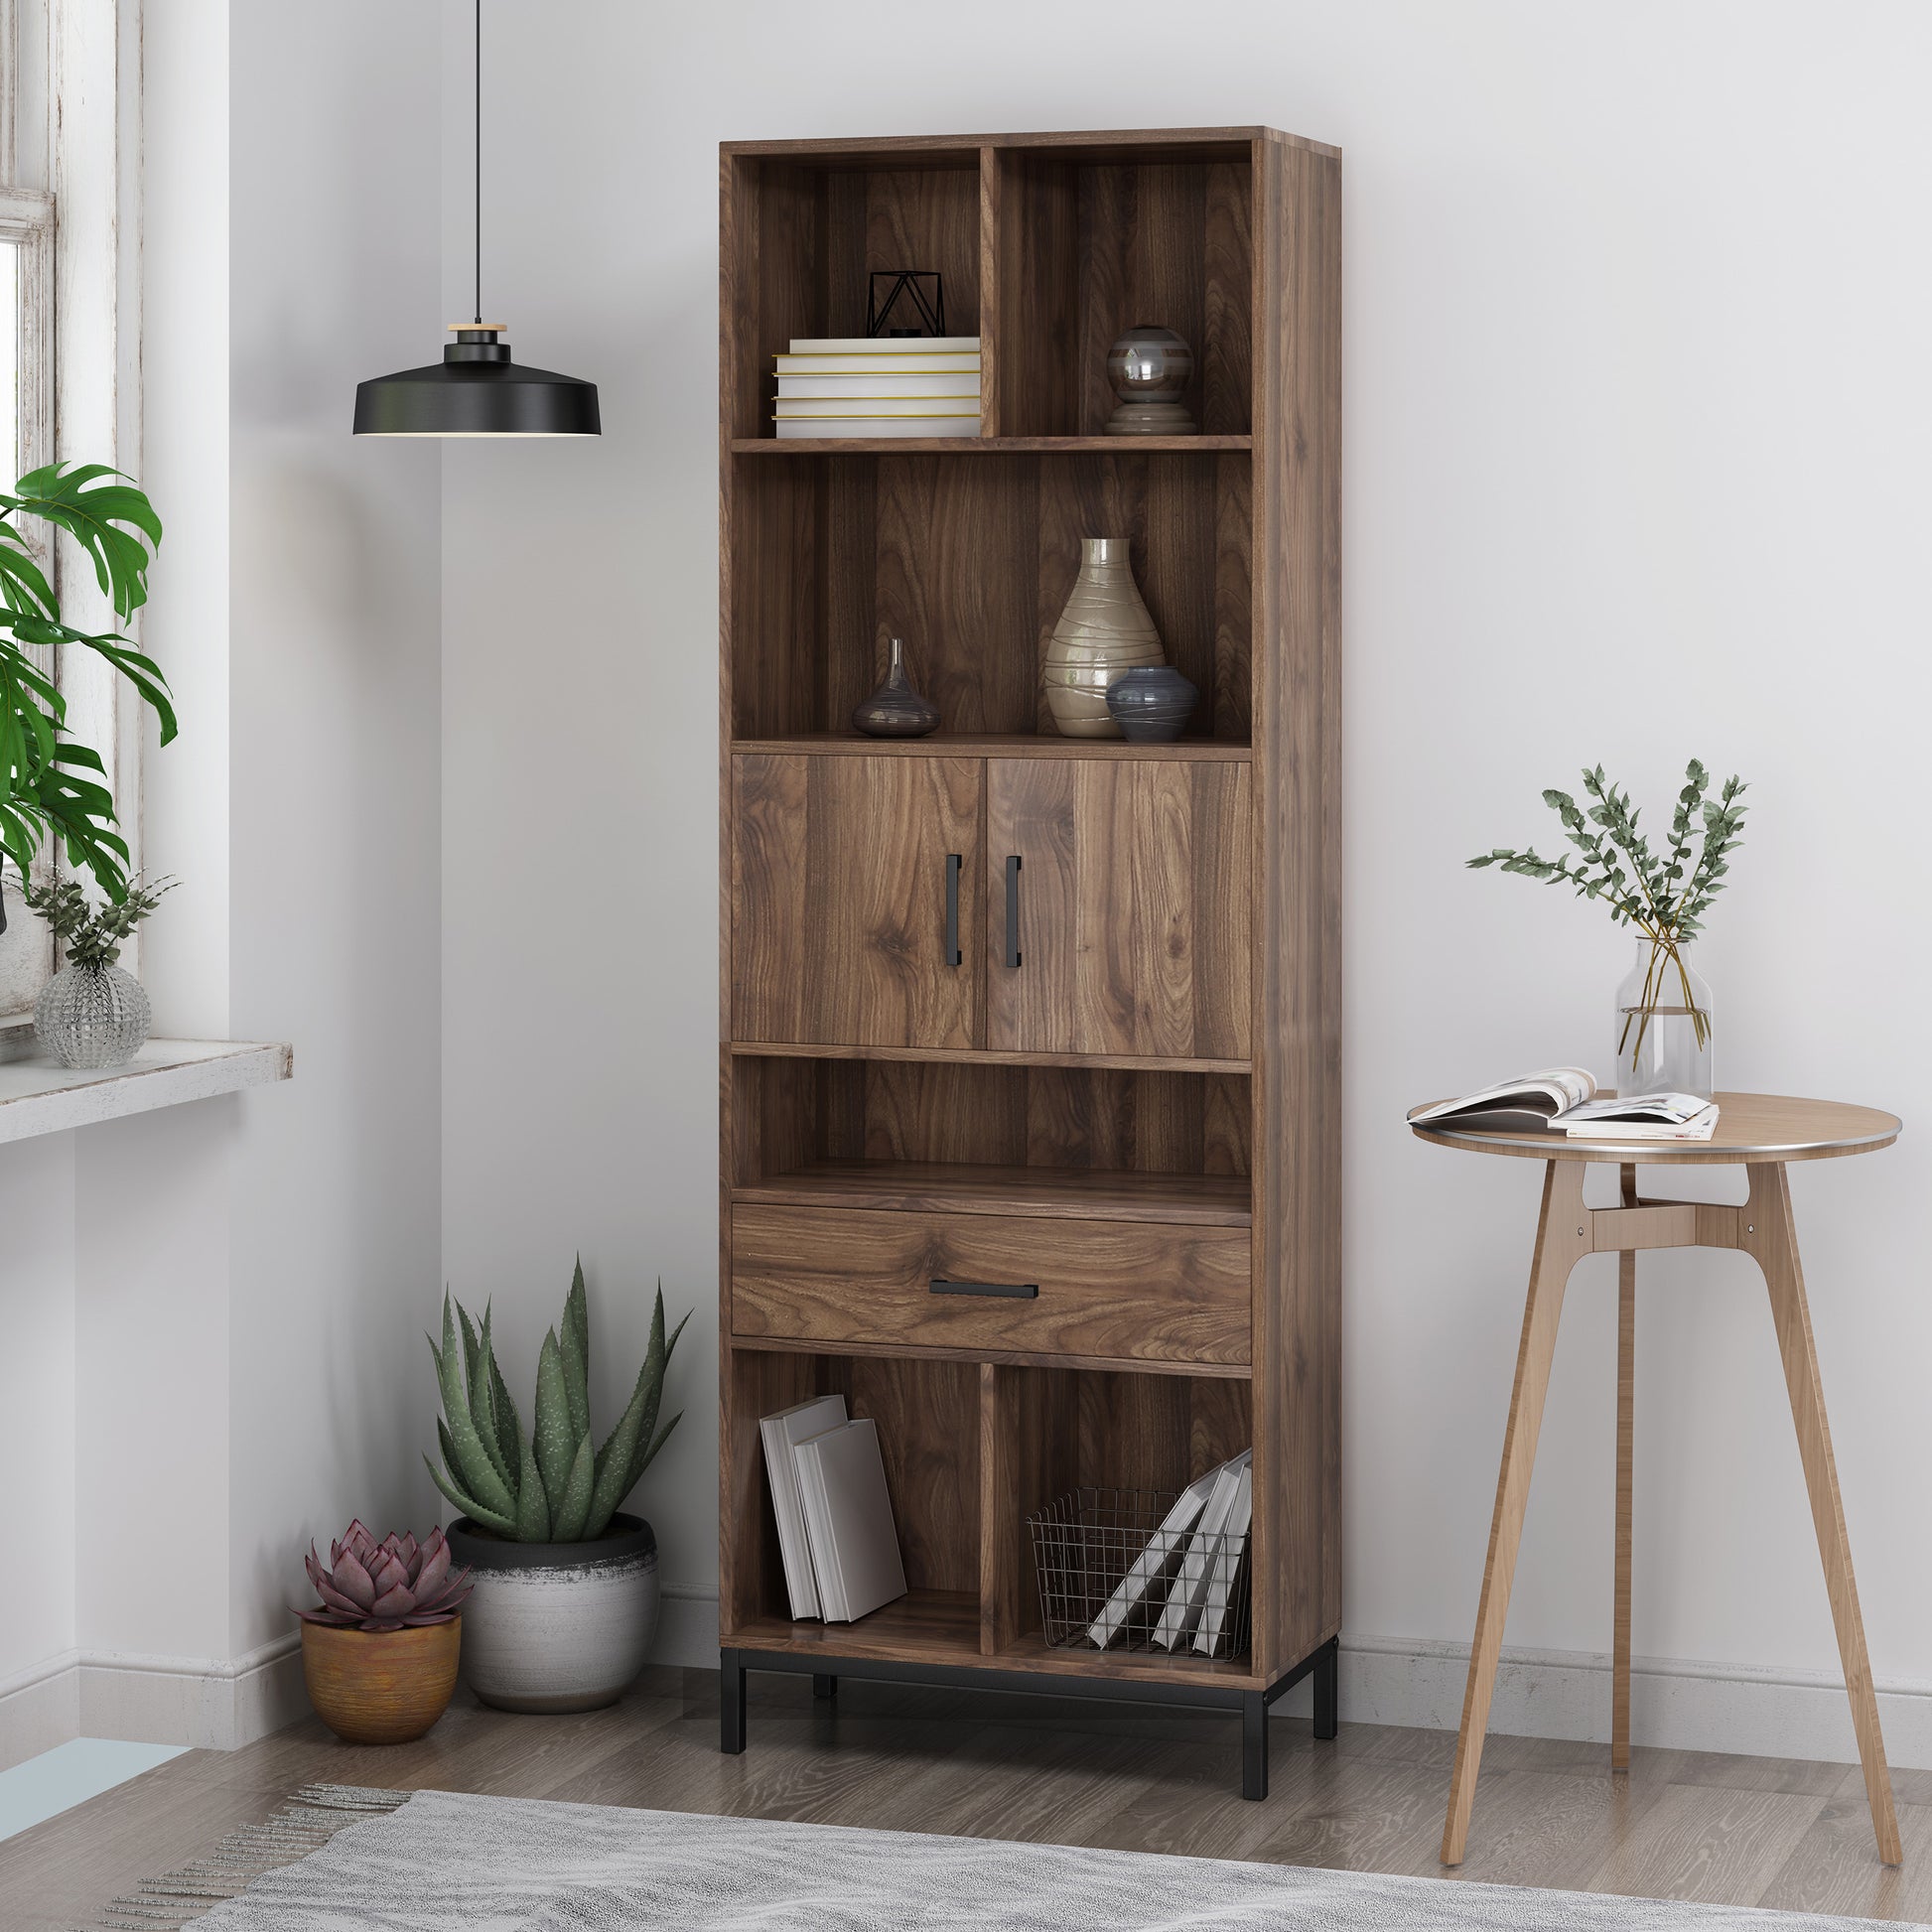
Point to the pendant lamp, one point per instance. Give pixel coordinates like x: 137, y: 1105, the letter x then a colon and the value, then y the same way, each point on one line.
x: 477, y: 391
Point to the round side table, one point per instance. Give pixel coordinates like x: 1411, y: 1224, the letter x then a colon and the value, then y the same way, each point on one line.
x: 1762, y: 1133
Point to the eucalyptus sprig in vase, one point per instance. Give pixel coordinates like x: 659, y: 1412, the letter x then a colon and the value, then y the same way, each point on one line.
x: 90, y: 1012
x: 1663, y: 1007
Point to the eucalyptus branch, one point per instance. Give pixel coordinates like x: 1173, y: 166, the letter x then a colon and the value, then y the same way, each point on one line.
x: 91, y: 935
x: 1645, y: 889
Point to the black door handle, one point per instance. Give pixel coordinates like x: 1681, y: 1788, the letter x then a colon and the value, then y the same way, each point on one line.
x: 1016, y: 1291
x: 953, y: 956
x: 1013, y: 910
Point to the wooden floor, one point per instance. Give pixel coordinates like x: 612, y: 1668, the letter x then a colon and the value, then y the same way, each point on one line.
x: 1683, y: 1825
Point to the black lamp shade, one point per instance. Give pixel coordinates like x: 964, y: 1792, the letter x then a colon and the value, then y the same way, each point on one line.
x: 477, y: 391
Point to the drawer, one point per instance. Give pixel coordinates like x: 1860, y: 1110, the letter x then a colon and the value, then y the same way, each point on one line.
x: 1123, y: 1289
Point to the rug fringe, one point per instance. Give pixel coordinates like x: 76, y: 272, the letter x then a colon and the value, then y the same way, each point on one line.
x: 307, y: 1820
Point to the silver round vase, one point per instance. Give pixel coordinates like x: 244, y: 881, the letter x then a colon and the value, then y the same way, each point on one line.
x: 91, y: 1016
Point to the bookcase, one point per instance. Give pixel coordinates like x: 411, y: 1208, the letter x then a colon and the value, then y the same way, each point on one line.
x: 1140, y: 1121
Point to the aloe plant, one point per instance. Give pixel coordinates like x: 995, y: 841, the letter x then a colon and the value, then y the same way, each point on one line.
x: 51, y: 783
x: 551, y: 1485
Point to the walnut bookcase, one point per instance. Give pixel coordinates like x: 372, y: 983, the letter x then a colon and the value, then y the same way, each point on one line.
x: 1128, y: 1103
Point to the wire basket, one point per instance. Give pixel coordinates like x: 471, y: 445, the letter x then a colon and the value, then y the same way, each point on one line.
x: 1108, y: 1577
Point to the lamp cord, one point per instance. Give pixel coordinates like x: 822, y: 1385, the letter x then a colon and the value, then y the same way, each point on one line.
x: 478, y: 315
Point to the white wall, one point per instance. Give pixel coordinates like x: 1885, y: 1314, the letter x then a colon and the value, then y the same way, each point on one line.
x: 215, y: 1319
x: 1635, y: 393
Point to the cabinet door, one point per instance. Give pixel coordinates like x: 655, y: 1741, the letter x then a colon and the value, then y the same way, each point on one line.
x: 844, y: 874
x: 1132, y: 898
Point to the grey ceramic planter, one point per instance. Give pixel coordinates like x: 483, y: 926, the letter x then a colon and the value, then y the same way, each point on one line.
x: 557, y: 1626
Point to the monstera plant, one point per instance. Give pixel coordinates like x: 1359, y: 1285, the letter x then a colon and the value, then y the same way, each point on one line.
x: 52, y: 784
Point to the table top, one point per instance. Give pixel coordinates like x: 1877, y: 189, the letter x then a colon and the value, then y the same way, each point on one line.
x: 1751, y: 1126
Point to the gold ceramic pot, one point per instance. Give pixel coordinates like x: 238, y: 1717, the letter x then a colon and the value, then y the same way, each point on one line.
x: 1104, y: 630
x: 380, y: 1687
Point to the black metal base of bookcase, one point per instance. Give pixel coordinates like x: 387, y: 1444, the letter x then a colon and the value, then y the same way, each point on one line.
x: 1322, y: 1663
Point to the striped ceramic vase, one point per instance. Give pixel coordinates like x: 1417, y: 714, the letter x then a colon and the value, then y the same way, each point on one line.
x: 1104, y: 630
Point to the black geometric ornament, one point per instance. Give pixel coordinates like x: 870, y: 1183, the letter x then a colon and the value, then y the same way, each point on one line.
x: 906, y: 283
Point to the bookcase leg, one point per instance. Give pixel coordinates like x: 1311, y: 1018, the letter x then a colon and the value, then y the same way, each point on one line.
x: 1328, y: 1689
x: 824, y: 1687
x: 1254, y: 1746
x: 731, y: 1703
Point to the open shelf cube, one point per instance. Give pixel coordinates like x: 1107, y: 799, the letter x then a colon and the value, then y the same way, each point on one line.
x: 972, y: 1451
x: 972, y: 563
x: 1091, y: 242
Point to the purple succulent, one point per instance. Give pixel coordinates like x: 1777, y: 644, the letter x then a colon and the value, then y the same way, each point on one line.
x: 386, y: 1586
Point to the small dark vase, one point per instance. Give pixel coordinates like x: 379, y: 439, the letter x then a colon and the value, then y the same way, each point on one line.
x: 896, y: 710
x: 1151, y: 704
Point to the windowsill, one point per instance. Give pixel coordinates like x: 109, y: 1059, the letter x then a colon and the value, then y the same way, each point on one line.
x: 40, y: 1096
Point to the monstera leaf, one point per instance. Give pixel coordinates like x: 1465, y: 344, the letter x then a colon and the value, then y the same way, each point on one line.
x: 44, y: 784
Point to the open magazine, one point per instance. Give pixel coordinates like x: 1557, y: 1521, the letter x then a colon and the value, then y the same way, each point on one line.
x: 1564, y: 1099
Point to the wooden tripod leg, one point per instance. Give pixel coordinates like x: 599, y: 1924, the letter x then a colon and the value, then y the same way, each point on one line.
x: 1627, y: 1392
x: 1770, y: 1237
x: 1562, y: 1239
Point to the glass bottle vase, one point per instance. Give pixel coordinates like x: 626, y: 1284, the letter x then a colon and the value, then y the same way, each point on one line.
x: 1663, y: 1024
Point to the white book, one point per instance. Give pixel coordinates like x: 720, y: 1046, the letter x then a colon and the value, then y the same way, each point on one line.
x: 883, y: 345
x: 1643, y: 1117
x: 1150, y: 1568
x: 1189, y: 1589
x: 779, y: 1434
x: 1227, y: 1566
x: 870, y: 383
x: 908, y: 361
x: 849, y: 1518
x: 1566, y: 1098
x: 879, y: 406
x: 861, y: 427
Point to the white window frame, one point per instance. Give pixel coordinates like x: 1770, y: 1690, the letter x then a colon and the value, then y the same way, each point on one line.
x: 70, y: 199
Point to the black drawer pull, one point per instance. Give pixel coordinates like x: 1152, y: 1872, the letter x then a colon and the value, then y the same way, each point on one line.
x: 1013, y: 910
x: 954, y: 955
x: 1016, y: 1291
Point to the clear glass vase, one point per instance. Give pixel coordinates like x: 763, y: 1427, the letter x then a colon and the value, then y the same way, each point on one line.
x: 1663, y: 1024
x: 91, y: 1016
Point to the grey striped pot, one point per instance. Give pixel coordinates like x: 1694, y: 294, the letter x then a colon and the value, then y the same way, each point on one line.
x: 557, y: 1626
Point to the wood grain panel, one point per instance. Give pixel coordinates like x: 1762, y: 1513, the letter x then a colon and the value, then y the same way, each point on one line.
x: 1054, y: 1194
x: 889, y: 219
x: 1029, y: 1447
x: 1135, y: 915
x: 1134, y: 1290
x: 839, y: 899
x: 1185, y: 519
x: 928, y: 1417
x: 1298, y: 860
x: 951, y: 545
x: 775, y: 597
x: 750, y: 1569
x: 998, y: 1115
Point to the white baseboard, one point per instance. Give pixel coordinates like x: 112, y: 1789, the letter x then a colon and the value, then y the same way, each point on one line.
x: 40, y: 1708
x: 1674, y: 1704
x: 211, y: 1704
x: 687, y: 1627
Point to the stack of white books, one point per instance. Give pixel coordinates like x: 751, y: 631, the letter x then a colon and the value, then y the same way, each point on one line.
x: 836, y: 1532
x: 1207, y: 1531
x: 880, y: 385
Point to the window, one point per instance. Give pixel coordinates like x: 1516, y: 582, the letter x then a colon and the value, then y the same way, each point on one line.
x: 69, y: 375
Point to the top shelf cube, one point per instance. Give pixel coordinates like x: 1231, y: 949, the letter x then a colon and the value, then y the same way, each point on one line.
x: 1050, y: 246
